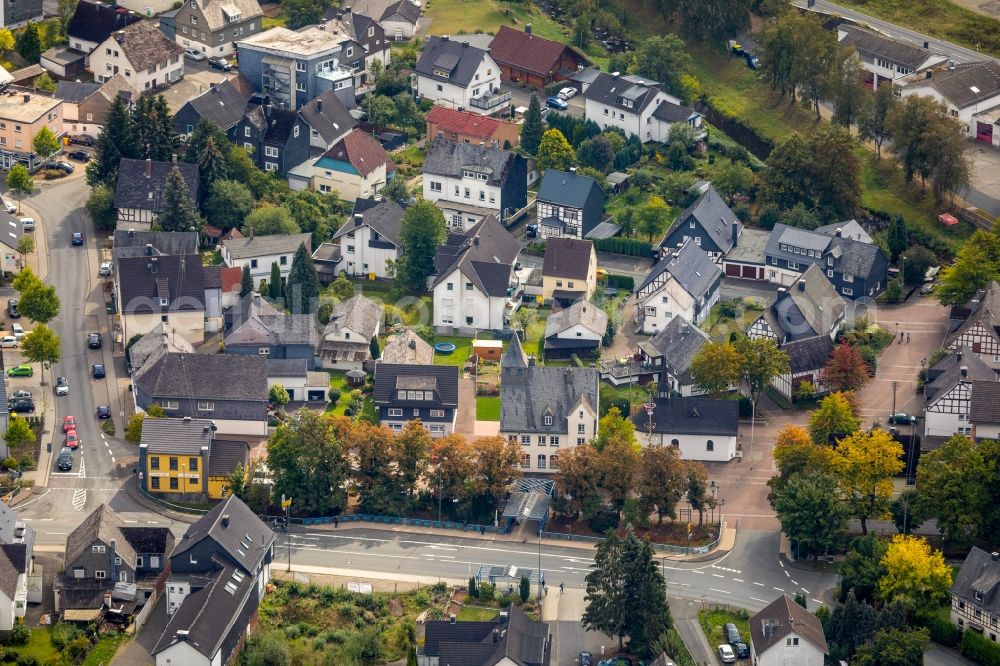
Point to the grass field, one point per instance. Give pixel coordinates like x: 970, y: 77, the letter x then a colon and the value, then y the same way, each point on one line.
x: 487, y: 408
x: 39, y: 645
x: 463, y: 347
x: 104, y: 650
x: 476, y: 614
x: 338, y: 380
x: 713, y: 619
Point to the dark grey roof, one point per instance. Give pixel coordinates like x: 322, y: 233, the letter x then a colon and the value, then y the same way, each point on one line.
x: 441, y: 54
x: 225, y: 454
x: 131, y: 243
x: 980, y: 573
x: 443, y: 379
x: 262, y: 246
x: 567, y: 258
x: 985, y: 407
x: 76, y: 92
x: 205, y: 376
x: 95, y: 21
x: 151, y: 540
x: 808, y: 354
x: 869, y: 42
x: 782, y: 617
x: 967, y: 84
x: 359, y: 314
x: 712, y: 214
x: 529, y: 393
x: 237, y: 531
x: 180, y: 436
x: 614, y: 90
x: 848, y: 229
x: 514, y: 638
x: 581, y: 312
x: 485, y: 254
x: 451, y: 158
x: 984, y: 311
x: 101, y: 525
x: 9, y: 574
x: 851, y: 257
x: 677, y: 343
x: 809, y: 307
x: 158, y: 341
x: 135, y: 190
x: 947, y: 373
x: 224, y: 103
x: 18, y: 556
x: 565, y: 188
x: 692, y: 416
x: 669, y: 112
x: 256, y: 322
x: 287, y: 367
x: 385, y: 217
x: 405, y: 8
x: 144, y: 281
x: 327, y: 115
x: 692, y: 269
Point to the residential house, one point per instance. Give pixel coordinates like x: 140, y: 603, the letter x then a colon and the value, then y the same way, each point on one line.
x: 102, y: 552
x: 328, y: 119
x: 975, y: 594
x: 454, y: 74
x: 848, y: 229
x: 219, y: 573
x: 326, y: 259
x: 569, y: 270
x: 811, y: 307
x: 140, y: 187
x: 230, y: 280
x: 370, y: 239
x: 212, y: 279
x: 884, y: 59
x: 170, y: 289
x: 293, y: 67
x: 474, y: 285
x: 469, y: 127
x: 701, y: 428
x: 405, y: 347
x: 855, y: 268
x: 527, y: 59
x: 153, y: 345
x: 984, y: 410
x: 470, y: 182
x: 669, y: 355
x: 17, y: 14
x: 10, y: 256
x: 142, y: 54
x: 786, y: 633
x: 409, y: 392
x: 684, y: 284
x: 259, y: 252
x: 93, y: 23
x: 301, y: 383
x: 977, y: 326
x: 807, y: 358
x: 147, y: 8
x: 569, y: 204
x: 346, y: 340
x: 509, y: 639
x: 970, y: 91
x: 23, y: 114
x: 356, y: 167
x: 17, y: 546
x: 278, y: 139
x: 225, y: 456
x: 63, y: 61
x: 544, y: 408
x: 364, y: 31
x: 400, y: 18
x: 129, y: 243
x: 709, y: 221
x: 224, y: 104
x: 258, y: 328
x: 949, y: 393
x: 85, y: 105
x: 214, y: 26
x: 179, y: 458
x: 229, y: 389
x: 576, y: 330
x: 637, y: 106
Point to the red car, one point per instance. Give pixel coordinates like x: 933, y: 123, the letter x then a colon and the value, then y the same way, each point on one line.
x: 72, y: 441
x: 69, y: 423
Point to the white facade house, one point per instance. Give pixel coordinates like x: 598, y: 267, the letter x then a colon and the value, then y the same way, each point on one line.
x: 345, y: 343
x: 784, y: 633
x: 259, y: 252
x: 370, y: 239
x: 699, y: 428
x: 948, y: 393
x: 884, y: 58
x: 684, y: 284
x: 969, y: 91
x: 637, y: 106
x: 142, y: 54
x: 459, y: 76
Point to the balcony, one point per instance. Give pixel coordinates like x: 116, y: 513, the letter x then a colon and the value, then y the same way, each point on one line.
x: 490, y: 100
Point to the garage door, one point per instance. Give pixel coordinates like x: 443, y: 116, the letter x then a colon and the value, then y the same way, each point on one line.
x: 984, y: 132
x: 733, y: 270
x: 751, y: 272
x: 316, y: 396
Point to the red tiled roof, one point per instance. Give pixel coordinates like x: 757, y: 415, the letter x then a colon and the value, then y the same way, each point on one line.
x: 362, y: 151
x: 525, y: 51
x: 465, y: 123
x: 231, y: 278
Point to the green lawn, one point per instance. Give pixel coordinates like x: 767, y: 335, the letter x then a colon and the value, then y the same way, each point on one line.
x: 105, y: 649
x: 39, y: 645
x: 713, y: 619
x: 476, y: 614
x: 463, y: 347
x: 413, y: 155
x: 338, y: 380
x: 412, y: 310
x: 487, y: 408
x: 277, y: 22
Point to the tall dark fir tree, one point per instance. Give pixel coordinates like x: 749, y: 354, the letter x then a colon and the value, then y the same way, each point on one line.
x: 177, y: 212
x: 116, y: 140
x: 153, y: 128
x: 531, y: 131
x: 302, y: 286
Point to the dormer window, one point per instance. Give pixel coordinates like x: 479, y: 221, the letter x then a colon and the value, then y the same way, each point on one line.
x: 194, y: 4
x: 978, y: 595
x: 444, y: 74
x: 548, y: 419
x: 164, y: 302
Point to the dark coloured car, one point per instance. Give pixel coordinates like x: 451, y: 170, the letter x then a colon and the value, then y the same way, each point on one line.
x: 732, y: 634
x: 79, y: 155
x: 742, y: 651
x: 64, y: 462
x: 94, y: 341
x: 83, y: 140
x: 65, y: 167
x: 531, y: 231
x: 22, y: 406
x: 103, y: 412
x: 902, y: 418
x: 219, y: 63
x: 12, y: 310
x: 77, y: 238
x: 556, y: 103
x: 586, y: 658
x: 97, y: 370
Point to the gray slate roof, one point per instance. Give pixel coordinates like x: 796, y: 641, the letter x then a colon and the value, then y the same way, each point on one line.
x: 135, y: 190
x: 581, y: 312
x: 946, y: 373
x: 442, y: 379
x: 184, y: 436
x: 158, y: 341
x: 358, y: 313
x: 784, y: 616
x: 712, y: 214
x: 131, y: 243
x: 985, y: 312
x: 76, y: 92
x: 451, y: 158
x: 808, y: 354
x: 406, y: 347
x: 956, y: 85
x: 104, y: 525
x: 669, y: 112
x: 692, y: 416
x: 985, y: 407
x: 485, y: 254
x: 205, y: 376
x: 979, y: 573
x: 565, y: 188
x: 817, y: 304
x: 848, y: 229
x: 520, y: 640
x: 405, y: 9
x: 678, y: 343
x: 460, y: 60
x: 256, y: 322
x: 223, y: 103
x: 236, y: 529
x: 611, y: 90
x: 851, y: 257
x: 385, y: 217
x: 225, y: 454
x: 261, y: 246
x: 327, y: 115
x: 692, y: 269
x: 143, y: 281
x: 529, y: 393
x: 95, y: 21
x: 872, y: 43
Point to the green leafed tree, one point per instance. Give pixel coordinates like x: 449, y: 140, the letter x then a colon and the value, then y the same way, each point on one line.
x: 116, y: 140
x: 532, y: 129
x: 39, y: 302
x: 177, y: 212
x: 246, y: 281
x: 44, y: 82
x: 811, y: 514
x: 422, y: 230
x: 212, y: 165
x: 274, y: 283
x: 835, y: 416
x: 874, y: 118
x: 760, y: 362
x: 269, y: 220
x: 20, y: 182
x: 229, y: 203
x: 309, y: 465
x: 894, y: 647
x: 153, y: 126
x: 101, y: 206
x: 714, y: 21
x: 29, y: 45
x: 664, y: 58
x: 716, y: 367
x: 554, y: 152
x: 45, y: 142
x: 41, y: 345
x: 953, y: 488
x: 19, y: 432
x: 277, y: 395
x: 302, y: 286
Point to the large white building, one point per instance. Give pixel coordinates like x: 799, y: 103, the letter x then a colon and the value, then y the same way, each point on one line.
x: 884, y: 58
x: 700, y: 428
x: 142, y: 54
x: 637, y: 106
x: 454, y: 74
x: 684, y: 284
x: 369, y: 241
x: 969, y: 91
x: 259, y: 252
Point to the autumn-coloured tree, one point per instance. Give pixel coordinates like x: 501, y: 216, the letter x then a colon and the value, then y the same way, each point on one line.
x: 662, y: 481
x: 795, y: 453
x: 845, y: 370
x: 496, y: 464
x: 453, y: 472
x: 915, y: 574
x: 864, y: 464
x: 576, y: 482
x: 617, y: 469
x: 615, y: 428
x: 835, y: 415
x: 716, y: 367
x: 411, y: 454
x: 373, y: 474
x: 760, y: 362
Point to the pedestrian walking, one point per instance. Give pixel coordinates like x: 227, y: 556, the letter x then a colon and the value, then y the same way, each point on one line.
x: 336, y: 522
x: 482, y: 530
x: 907, y: 337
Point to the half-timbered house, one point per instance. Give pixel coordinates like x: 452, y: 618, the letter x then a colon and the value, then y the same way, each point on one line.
x: 806, y: 363
x: 811, y: 306
x: 948, y: 393
x: 683, y: 284
x: 980, y: 328
x: 670, y: 352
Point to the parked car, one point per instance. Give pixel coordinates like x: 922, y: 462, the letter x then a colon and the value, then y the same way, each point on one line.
x: 902, y: 418
x: 727, y: 655
x: 64, y: 462
x: 927, y: 288
x: 23, y: 370
x: 97, y: 370
x: 732, y: 633
x: 586, y: 659
x: 79, y: 155
x: 556, y: 103
x: 566, y: 93
x: 192, y: 53
x: 22, y: 406
x: 94, y: 341
x: 8, y: 206
x: 742, y: 651
x: 8, y: 342
x: 69, y: 423
x: 219, y: 63
x: 531, y: 231
x: 76, y: 238
x: 20, y: 395
x: 104, y: 411
x: 17, y: 331
x: 62, y: 386
x: 28, y: 223
x: 83, y: 140
x: 12, y: 310
x: 72, y: 439
x: 63, y: 166
x: 105, y: 269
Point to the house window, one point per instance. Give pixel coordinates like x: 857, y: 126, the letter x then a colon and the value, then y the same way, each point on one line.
x: 554, y: 440
x: 205, y: 406
x: 439, y: 88
x: 300, y: 86
x: 554, y: 462
x: 154, y: 462
x: 435, y: 186
x: 246, y: 132
x: 253, y: 263
x: 526, y: 439
x: 848, y: 278
x: 581, y: 429
x: 350, y: 249
x: 118, y: 561
x: 395, y: 412
x: 468, y: 286
x: 548, y: 419
x: 791, y: 641
x: 270, y: 151
x: 156, y: 482
x: 793, y: 266
x: 847, y: 292
x: 541, y: 440
x: 192, y: 464
x: 709, y: 445
x: 541, y: 461
x: 300, y: 66
x: 526, y: 461
x: 295, y: 131
x: 437, y: 413
x: 283, y: 260
x: 138, y: 560
x: 270, y: 166
x: 829, y: 273
x: 192, y: 559
x: 100, y: 575
x: 79, y: 572
x: 173, y: 463
x: 98, y: 549
x: 263, y: 351
x: 450, y: 287
x: 580, y: 441
x: 173, y: 483
x: 467, y: 193
x: 978, y: 595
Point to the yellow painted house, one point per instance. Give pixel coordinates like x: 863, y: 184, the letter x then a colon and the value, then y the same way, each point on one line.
x: 569, y: 270
x: 181, y: 459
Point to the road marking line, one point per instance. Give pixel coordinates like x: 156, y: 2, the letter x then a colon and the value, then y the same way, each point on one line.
x: 817, y: 601
x: 685, y: 584
x: 45, y: 519
x: 59, y: 533
x: 112, y: 459
x: 788, y: 574
x: 697, y: 572
x: 781, y: 563
x: 130, y: 521
x: 756, y: 583
x: 718, y: 575
x: 722, y: 591
x: 738, y: 580
x: 805, y: 590
x: 779, y: 589
x: 795, y: 582
x: 760, y: 600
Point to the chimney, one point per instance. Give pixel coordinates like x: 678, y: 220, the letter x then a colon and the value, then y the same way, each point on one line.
x: 840, y: 232
x: 927, y: 45
x: 958, y: 356
x: 452, y: 619
x: 413, y: 344
x: 182, y: 634
x: 319, y: 105
x: 735, y: 228
x: 131, y: 233
x: 120, y: 36
x: 964, y: 370
x: 465, y: 43
x: 531, y: 361
x: 802, y: 285
x: 475, y: 241
x: 527, y: 28
x: 359, y: 219
x: 616, y: 74
x: 445, y: 37
x: 173, y: 158
x: 496, y: 635
x: 27, y: 98
x: 149, y: 168
x: 225, y: 520
x: 930, y: 73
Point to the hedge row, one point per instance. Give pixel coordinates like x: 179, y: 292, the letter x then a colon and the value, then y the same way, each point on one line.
x: 627, y: 246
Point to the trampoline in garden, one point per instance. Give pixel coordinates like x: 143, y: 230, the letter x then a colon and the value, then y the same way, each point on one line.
x: 445, y: 347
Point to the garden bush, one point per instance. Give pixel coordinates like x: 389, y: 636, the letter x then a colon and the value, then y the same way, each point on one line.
x: 980, y: 650
x: 627, y: 246
x: 942, y: 630
x: 603, y: 521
